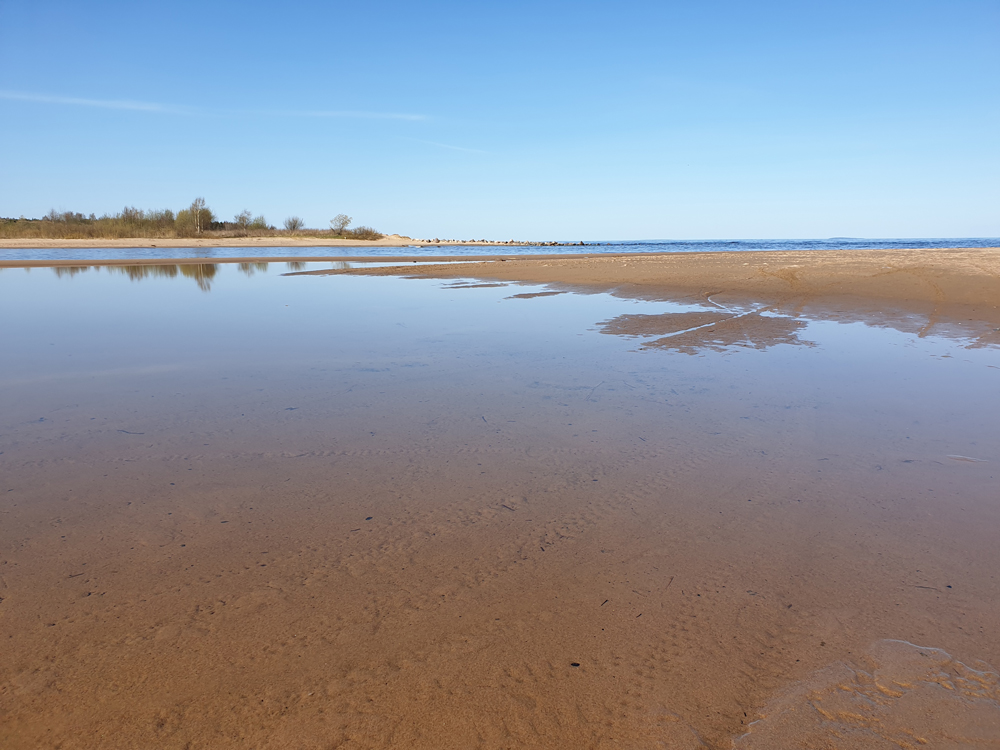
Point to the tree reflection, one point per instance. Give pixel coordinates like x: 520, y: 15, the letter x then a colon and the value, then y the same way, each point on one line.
x: 202, y: 273
x: 70, y: 271
x: 251, y: 268
x: 135, y: 273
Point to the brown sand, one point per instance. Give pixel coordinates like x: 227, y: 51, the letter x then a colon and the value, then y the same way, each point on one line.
x: 929, y: 280
x: 470, y: 576
x: 161, y: 592
x: 898, y: 695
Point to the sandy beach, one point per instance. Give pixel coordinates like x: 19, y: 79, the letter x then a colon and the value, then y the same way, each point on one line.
x: 938, y: 283
x: 948, y: 276
x: 290, y: 519
x: 707, y: 458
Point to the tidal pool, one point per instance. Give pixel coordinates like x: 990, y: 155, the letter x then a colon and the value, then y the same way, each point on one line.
x: 241, y: 507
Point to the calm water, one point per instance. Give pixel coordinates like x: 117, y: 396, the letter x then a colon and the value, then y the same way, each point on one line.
x: 645, y: 246
x: 570, y: 515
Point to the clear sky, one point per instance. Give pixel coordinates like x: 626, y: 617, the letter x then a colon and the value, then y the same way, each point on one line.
x: 540, y: 120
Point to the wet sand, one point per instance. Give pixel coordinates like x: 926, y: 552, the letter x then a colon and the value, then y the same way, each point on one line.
x: 928, y: 280
x: 473, y: 545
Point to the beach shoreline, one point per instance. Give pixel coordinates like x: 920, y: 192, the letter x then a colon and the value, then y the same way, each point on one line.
x: 936, y: 282
x: 392, y: 240
x: 398, y: 508
x: 399, y: 259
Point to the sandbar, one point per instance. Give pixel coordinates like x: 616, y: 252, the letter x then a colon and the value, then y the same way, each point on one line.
x: 940, y: 276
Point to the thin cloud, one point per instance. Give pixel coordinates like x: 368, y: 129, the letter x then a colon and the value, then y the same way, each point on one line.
x: 347, y: 114
x: 449, y: 146
x: 99, y: 103
x: 157, y: 108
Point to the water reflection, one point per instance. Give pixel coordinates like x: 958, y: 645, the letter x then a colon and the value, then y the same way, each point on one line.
x: 714, y: 330
x: 702, y: 329
x: 686, y: 328
x: 69, y: 271
x: 249, y: 269
x: 799, y: 477
x: 976, y: 328
x: 202, y: 273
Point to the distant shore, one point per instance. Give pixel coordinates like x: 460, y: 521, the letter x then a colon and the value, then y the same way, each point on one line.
x: 392, y: 240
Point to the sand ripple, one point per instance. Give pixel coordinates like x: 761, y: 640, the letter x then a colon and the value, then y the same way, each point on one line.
x: 897, y: 696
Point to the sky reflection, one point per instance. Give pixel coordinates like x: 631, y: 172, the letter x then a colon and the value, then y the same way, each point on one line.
x: 662, y: 325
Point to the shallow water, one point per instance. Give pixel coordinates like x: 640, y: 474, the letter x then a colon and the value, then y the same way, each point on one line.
x: 242, y: 507
x: 589, y: 246
x: 897, y: 695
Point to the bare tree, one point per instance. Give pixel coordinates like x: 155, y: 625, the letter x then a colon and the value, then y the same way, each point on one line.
x: 294, y: 223
x: 197, y: 208
x: 340, y: 222
x: 243, y: 220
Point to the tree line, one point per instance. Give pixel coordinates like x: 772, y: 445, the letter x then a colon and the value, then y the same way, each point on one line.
x: 194, y: 221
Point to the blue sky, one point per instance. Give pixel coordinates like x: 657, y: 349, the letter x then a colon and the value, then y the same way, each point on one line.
x: 543, y: 120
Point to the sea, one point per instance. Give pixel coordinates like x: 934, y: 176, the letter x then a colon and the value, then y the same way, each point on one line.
x: 417, y: 249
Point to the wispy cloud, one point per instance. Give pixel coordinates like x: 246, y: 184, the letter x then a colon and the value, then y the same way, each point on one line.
x: 351, y: 114
x: 449, y: 146
x: 100, y: 103
x: 170, y: 109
